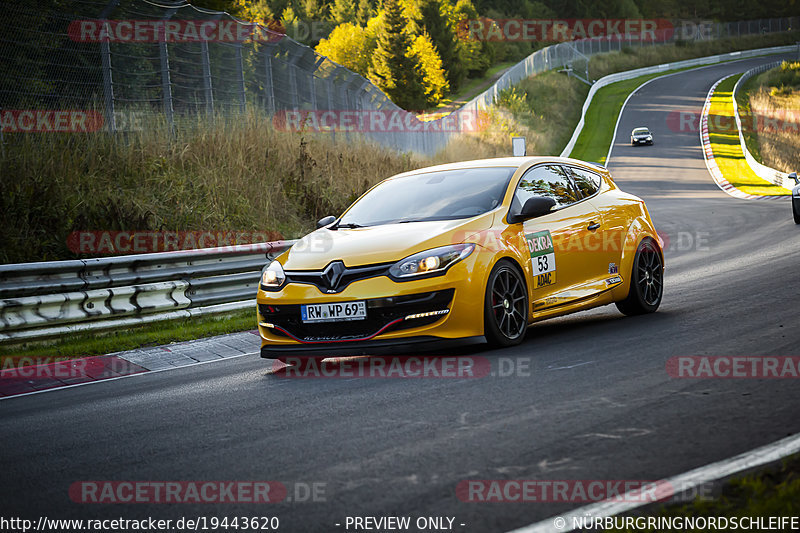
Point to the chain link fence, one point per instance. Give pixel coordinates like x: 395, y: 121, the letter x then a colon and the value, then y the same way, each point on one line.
x: 119, y: 65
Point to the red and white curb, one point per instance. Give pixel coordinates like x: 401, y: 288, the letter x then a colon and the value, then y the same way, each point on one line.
x: 711, y: 162
x: 34, y: 375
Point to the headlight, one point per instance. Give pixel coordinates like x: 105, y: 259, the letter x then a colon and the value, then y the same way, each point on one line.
x: 649, y: 137
x: 435, y: 261
x: 272, y: 277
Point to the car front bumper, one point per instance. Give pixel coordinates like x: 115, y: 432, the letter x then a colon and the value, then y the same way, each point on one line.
x: 418, y: 312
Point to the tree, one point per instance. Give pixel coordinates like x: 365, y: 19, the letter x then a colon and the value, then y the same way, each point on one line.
x: 315, y: 10
x: 344, y: 11
x: 364, y: 12
x: 348, y: 45
x: 441, y: 30
x: 430, y: 64
x: 474, y: 56
x: 394, y: 67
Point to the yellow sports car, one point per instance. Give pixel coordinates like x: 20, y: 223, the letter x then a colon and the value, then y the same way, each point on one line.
x: 470, y: 250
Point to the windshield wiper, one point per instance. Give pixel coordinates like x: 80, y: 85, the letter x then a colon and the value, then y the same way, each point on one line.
x: 348, y: 225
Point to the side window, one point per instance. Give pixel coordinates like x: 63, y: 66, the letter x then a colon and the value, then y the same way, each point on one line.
x: 546, y: 180
x: 587, y: 182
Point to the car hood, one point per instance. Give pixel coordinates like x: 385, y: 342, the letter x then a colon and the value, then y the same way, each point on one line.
x: 379, y: 244
x: 642, y: 135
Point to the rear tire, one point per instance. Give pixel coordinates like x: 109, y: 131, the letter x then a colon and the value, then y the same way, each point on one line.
x: 647, y: 281
x: 505, y: 314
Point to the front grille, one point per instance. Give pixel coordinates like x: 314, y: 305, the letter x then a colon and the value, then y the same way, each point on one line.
x: 335, y: 277
x: 380, y: 312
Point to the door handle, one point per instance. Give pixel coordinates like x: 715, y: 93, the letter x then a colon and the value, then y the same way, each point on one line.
x: 593, y: 226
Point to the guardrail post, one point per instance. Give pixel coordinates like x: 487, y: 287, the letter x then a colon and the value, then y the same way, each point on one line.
x: 269, y: 88
x: 240, y: 74
x: 313, y: 81
x: 207, y: 90
x: 166, y: 84
x: 290, y: 63
x: 108, y: 84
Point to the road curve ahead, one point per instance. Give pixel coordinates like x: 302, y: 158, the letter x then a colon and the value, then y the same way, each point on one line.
x: 587, y: 398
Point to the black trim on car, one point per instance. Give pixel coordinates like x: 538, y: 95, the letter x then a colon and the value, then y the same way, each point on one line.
x: 372, y: 347
x: 383, y: 315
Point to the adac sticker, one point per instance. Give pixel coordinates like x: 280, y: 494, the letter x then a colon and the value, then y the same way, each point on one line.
x: 613, y: 268
x: 543, y: 258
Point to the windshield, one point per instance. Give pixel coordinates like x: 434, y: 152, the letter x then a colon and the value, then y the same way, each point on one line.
x: 641, y: 131
x: 443, y: 195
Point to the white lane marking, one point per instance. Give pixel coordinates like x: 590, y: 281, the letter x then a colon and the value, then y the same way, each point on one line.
x: 146, y: 373
x: 570, y: 366
x: 684, y: 482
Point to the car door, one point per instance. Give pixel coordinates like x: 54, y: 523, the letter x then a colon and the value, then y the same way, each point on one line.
x: 609, y: 238
x: 561, y: 269
x: 614, y: 218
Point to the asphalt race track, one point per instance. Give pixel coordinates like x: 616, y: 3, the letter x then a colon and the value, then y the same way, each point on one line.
x: 594, y: 402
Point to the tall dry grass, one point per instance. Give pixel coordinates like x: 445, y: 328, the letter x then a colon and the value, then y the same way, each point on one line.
x: 773, y: 99
x: 237, y: 175
x: 779, y: 147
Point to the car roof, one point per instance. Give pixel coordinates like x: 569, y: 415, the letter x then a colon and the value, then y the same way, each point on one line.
x: 514, y: 162
x: 641, y: 128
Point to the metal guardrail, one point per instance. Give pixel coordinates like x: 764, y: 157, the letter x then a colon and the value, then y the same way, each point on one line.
x: 48, y: 299
x: 770, y: 174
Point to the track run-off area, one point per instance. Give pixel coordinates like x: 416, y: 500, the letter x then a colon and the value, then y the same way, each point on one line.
x: 585, y: 397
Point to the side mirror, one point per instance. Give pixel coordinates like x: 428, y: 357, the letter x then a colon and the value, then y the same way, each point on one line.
x: 533, y: 208
x: 793, y: 176
x: 321, y: 223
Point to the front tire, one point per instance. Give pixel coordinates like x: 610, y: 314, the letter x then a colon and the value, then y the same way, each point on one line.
x: 505, y: 315
x: 796, y: 211
x: 647, y: 281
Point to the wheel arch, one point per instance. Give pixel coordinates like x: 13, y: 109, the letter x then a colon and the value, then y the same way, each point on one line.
x: 639, y: 230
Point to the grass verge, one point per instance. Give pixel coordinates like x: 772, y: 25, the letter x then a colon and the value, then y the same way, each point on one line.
x: 155, y: 334
x: 772, y: 492
x: 724, y: 138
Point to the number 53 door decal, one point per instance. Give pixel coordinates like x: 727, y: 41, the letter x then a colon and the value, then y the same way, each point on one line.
x: 543, y: 258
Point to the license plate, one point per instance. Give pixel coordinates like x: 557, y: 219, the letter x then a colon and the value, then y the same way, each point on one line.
x: 334, y: 312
